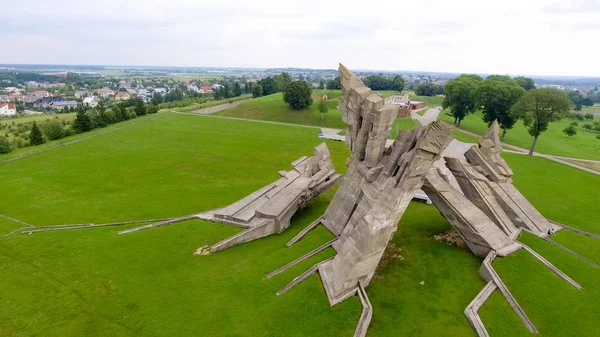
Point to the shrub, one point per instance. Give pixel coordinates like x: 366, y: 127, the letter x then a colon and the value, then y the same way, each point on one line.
x: 35, y: 136
x: 589, y: 116
x: 54, y: 130
x: 598, y: 136
x: 298, y: 95
x: 5, y: 146
x: 575, y: 123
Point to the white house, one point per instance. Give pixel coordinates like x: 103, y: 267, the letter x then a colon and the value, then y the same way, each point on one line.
x: 91, y: 101
x: 8, y: 109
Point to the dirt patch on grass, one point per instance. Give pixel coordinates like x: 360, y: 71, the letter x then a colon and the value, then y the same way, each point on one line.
x: 390, y: 255
x: 451, y: 237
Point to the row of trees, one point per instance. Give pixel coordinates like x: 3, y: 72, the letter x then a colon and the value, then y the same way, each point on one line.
x: 506, y: 100
x: 429, y: 89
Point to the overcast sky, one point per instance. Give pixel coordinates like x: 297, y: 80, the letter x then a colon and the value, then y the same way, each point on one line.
x: 535, y: 37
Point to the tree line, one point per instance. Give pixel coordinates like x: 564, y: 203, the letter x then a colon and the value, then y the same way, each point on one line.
x: 506, y: 100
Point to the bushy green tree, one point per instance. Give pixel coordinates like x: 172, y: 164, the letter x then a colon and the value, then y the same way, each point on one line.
x: 268, y: 86
x: 323, y: 108
x: 151, y: 109
x: 82, y: 122
x: 139, y: 107
x: 398, y: 83
x: 496, y: 99
x: 298, y: 95
x: 540, y: 107
x: 35, y: 136
x: 248, y: 87
x: 334, y: 84
x: 321, y: 85
x: 237, y: 89
x: 427, y: 89
x: 282, y: 81
x: 257, y: 91
x: 378, y: 82
x: 54, y: 130
x: 5, y: 146
x: 570, y: 131
x: 461, y: 96
x: 525, y: 82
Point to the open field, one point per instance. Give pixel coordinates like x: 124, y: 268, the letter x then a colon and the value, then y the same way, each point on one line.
x: 273, y: 108
x: 584, y: 145
x: 96, y: 283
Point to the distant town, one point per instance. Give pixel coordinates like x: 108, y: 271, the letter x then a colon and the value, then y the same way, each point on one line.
x: 37, y: 89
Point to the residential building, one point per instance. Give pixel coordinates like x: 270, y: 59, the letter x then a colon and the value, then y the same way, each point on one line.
x: 91, y: 101
x: 60, y: 105
x: 8, y: 109
x: 122, y: 96
x: 104, y: 92
x: 45, y: 102
x: 205, y: 89
x: 81, y: 94
x: 42, y: 93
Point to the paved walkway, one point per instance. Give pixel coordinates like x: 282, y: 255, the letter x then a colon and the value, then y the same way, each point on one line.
x: 220, y: 107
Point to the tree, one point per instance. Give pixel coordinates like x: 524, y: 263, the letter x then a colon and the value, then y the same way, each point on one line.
x: 501, y: 78
x: 5, y: 146
x: 151, y: 109
x: 35, y: 136
x: 323, y: 108
x: 570, y: 131
x: 237, y: 89
x: 377, y: 82
x: 540, y: 107
x: 398, y: 83
x: 139, y: 107
x: 268, y: 86
x: 298, y: 95
x: 427, y: 89
x: 496, y: 99
x: 282, y: 81
x: 257, y: 91
x: 334, y: 84
x: 248, y: 87
x: 157, y: 99
x: 54, y: 130
x: 587, y: 102
x: 525, y: 82
x: 589, y: 116
x: 321, y: 85
x: 82, y: 122
x: 460, y: 96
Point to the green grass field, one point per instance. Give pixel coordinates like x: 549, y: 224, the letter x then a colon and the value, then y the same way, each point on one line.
x: 93, y: 282
x: 584, y: 145
x: 273, y: 108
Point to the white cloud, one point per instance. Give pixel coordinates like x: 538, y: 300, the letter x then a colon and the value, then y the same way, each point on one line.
x: 516, y: 37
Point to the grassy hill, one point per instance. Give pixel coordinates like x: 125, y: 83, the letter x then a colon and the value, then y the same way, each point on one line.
x: 273, y: 108
x: 95, y: 283
x: 584, y: 145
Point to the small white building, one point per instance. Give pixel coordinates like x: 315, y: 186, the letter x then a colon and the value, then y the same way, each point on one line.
x: 8, y: 109
x: 91, y: 101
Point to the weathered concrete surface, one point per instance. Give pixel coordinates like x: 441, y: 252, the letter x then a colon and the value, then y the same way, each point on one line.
x: 377, y: 188
x: 477, y: 230
x: 270, y: 209
x: 487, y: 182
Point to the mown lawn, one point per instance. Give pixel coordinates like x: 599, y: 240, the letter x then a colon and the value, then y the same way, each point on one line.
x: 95, y: 283
x: 273, y: 108
x: 554, y: 142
